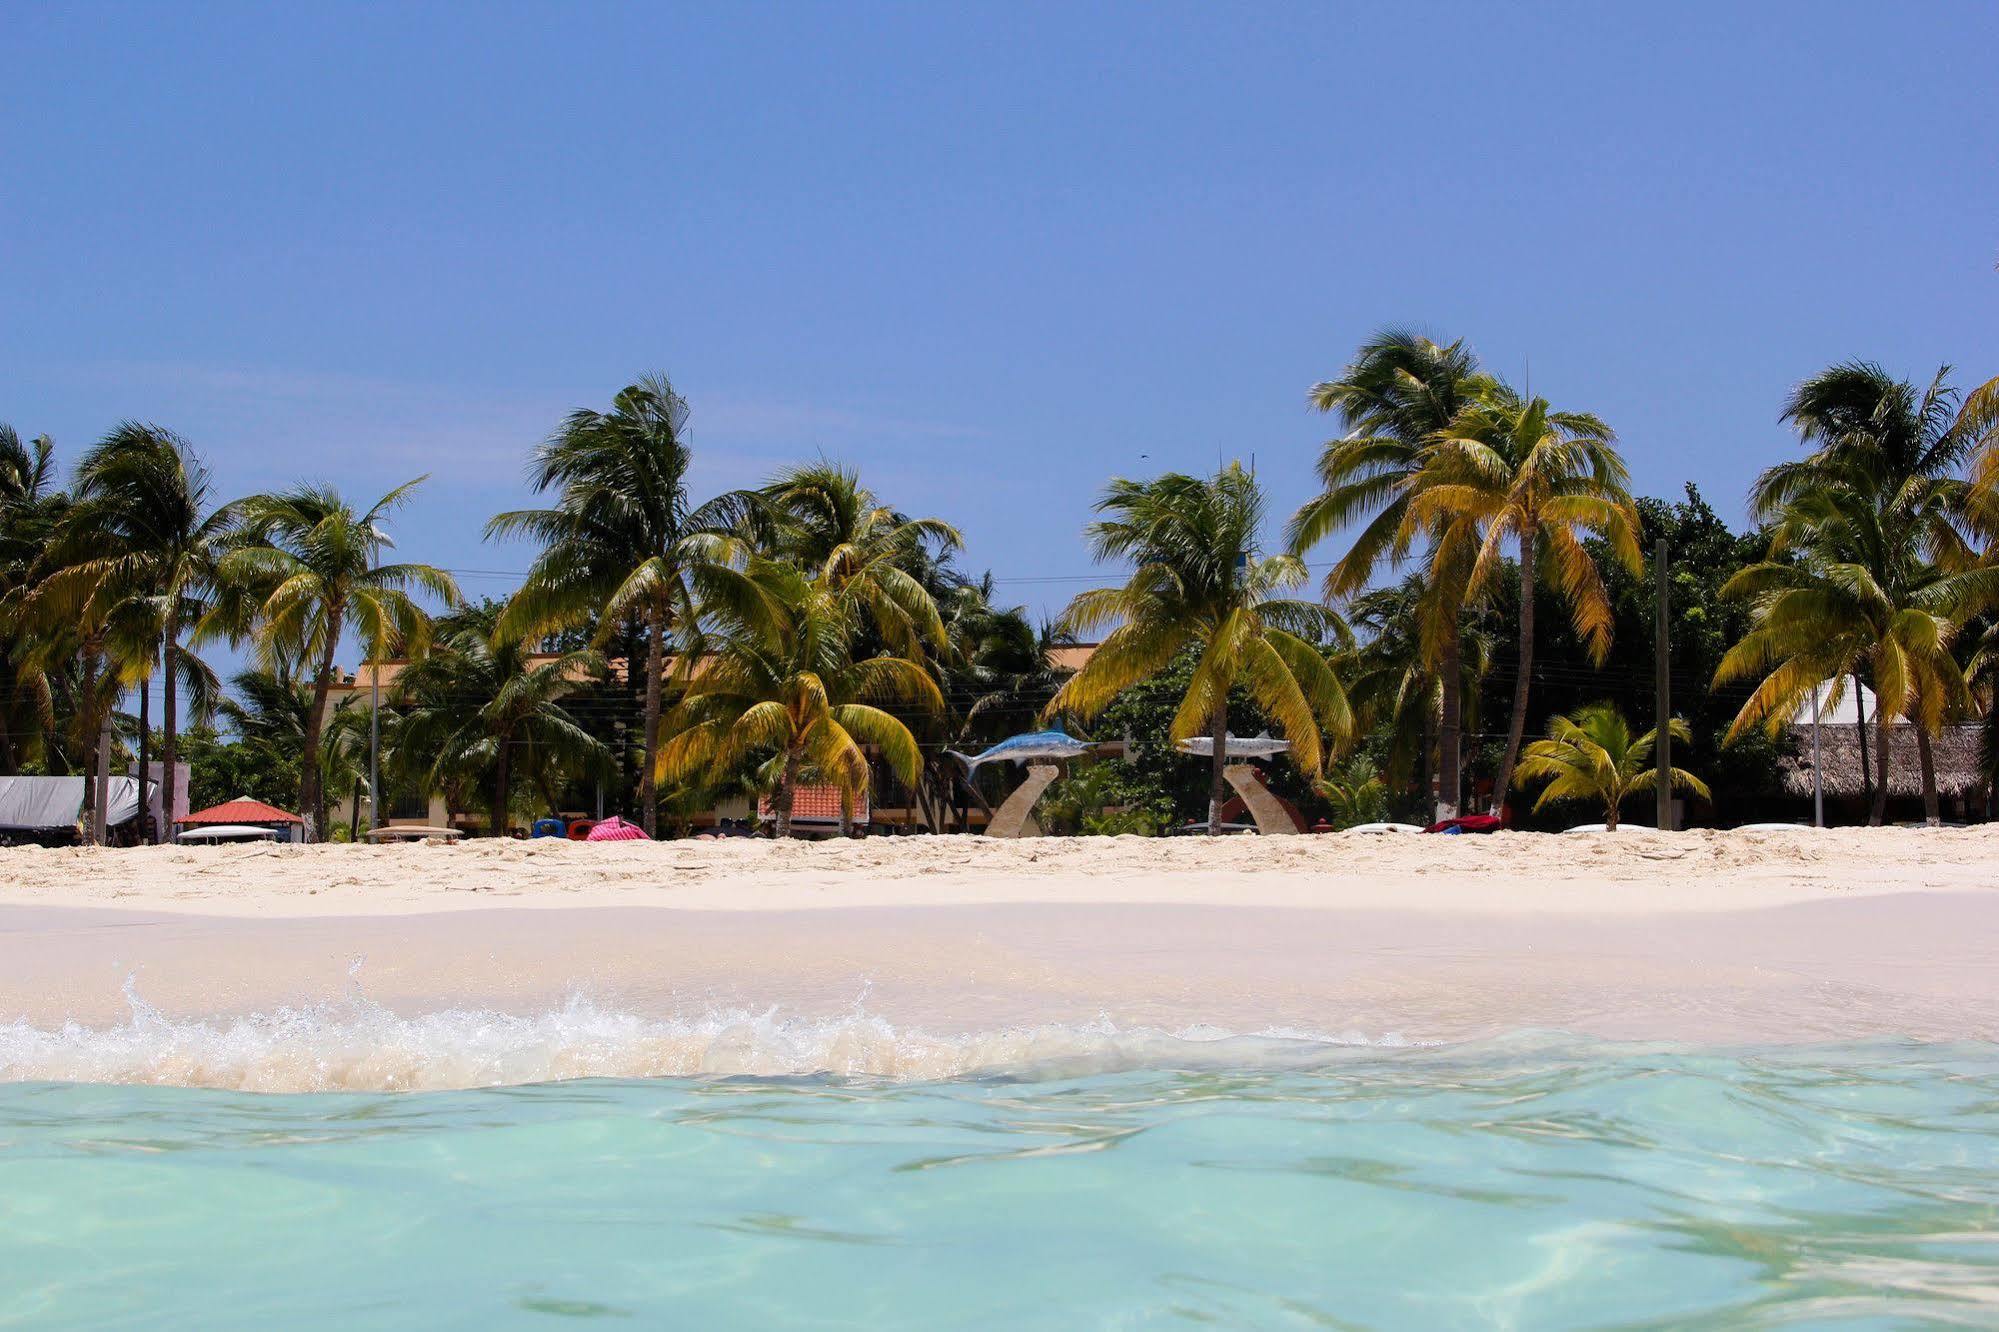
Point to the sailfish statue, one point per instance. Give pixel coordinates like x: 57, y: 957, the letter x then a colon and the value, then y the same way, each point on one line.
x: 1025, y: 749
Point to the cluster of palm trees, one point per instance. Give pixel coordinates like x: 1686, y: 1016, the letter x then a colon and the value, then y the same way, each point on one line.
x: 805, y: 632
x: 1882, y: 553
x: 123, y: 578
x: 779, y: 636
x: 1883, y: 547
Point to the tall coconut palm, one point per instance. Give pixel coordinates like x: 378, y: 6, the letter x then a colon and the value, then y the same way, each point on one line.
x: 1871, y: 564
x: 308, y: 569
x: 149, y: 496
x: 621, y: 542
x: 1594, y: 756
x: 1513, y: 469
x: 1399, y: 391
x: 1200, y: 583
x: 483, y: 710
x: 787, y: 694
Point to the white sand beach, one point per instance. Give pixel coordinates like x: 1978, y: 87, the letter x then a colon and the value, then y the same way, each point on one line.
x: 1752, y: 937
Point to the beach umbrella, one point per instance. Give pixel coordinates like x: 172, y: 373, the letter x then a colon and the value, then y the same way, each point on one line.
x: 615, y: 829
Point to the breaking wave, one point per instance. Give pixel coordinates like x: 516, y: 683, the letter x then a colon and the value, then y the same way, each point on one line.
x: 358, y: 1045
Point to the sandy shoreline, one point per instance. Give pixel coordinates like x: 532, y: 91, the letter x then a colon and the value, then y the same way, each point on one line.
x: 1703, y: 937
x: 1635, y: 871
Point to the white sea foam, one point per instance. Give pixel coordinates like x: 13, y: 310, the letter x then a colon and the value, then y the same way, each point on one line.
x: 358, y: 1045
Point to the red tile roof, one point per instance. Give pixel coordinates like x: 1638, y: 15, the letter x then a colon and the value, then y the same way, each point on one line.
x: 816, y: 804
x: 242, y: 810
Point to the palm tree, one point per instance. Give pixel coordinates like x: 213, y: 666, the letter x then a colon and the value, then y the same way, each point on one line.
x: 1511, y: 467
x: 1827, y: 614
x: 820, y: 518
x: 785, y: 692
x: 1592, y: 756
x: 1393, y: 683
x: 270, y: 712
x: 1201, y: 585
x: 30, y: 509
x: 1398, y: 393
x: 308, y: 568
x: 483, y: 711
x: 147, y: 494
x: 995, y: 677
x: 1870, y: 562
x: 622, y: 542
x: 1356, y: 793
x: 83, y: 603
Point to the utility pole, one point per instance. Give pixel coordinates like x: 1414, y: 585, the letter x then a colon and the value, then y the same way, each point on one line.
x: 1818, y: 788
x: 1662, y: 663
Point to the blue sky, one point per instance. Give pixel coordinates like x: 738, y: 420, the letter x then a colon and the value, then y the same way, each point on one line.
x: 991, y: 255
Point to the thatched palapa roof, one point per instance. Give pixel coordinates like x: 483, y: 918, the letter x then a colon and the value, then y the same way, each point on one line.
x: 1956, y: 752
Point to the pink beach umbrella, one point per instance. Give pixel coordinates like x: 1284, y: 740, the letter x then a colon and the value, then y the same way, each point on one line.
x: 615, y: 829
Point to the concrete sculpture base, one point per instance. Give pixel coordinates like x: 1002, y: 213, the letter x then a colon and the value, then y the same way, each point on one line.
x: 1271, y: 820
x: 1015, y: 817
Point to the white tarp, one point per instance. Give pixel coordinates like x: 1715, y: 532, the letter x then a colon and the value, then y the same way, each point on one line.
x: 156, y: 773
x: 51, y: 804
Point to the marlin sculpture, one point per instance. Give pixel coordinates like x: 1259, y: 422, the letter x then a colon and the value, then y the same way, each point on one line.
x: 1023, y: 748
x: 1262, y: 746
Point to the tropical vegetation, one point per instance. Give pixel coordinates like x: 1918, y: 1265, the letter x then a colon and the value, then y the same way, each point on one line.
x: 1593, y: 756
x: 1484, y: 575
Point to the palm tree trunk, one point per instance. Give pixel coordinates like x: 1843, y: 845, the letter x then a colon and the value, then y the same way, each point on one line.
x: 148, y: 832
x: 1218, y: 784
x: 1428, y: 764
x: 312, y: 800
x: 169, y: 724
x: 1882, y: 721
x: 1932, y: 813
x: 100, y: 820
x: 354, y: 814
x: 787, y: 787
x: 1450, y: 726
x: 1517, y: 730
x: 1860, y: 729
x: 655, y: 663
x: 10, y: 763
x: 502, y: 778
x: 86, y: 698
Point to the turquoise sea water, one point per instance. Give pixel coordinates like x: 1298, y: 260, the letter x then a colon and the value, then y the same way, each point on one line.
x: 1534, y: 1183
